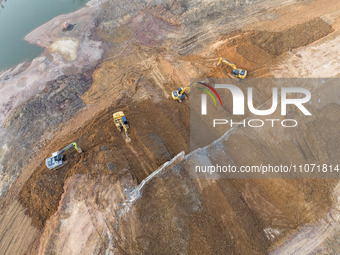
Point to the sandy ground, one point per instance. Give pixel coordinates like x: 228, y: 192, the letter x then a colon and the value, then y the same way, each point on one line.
x: 22, y: 232
x: 298, y: 64
x: 109, y: 194
x: 321, y: 237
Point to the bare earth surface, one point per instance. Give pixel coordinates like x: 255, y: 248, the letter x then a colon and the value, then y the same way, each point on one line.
x: 139, y: 198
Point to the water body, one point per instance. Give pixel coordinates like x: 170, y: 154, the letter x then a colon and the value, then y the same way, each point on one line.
x: 18, y: 18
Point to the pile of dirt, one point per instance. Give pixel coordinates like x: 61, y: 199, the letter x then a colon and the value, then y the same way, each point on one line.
x: 256, y: 51
x: 27, y: 125
x: 303, y: 34
x: 158, y: 132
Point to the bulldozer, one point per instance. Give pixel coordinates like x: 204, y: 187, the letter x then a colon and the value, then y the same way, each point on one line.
x: 238, y: 73
x: 179, y: 94
x: 56, y: 161
x: 122, y: 124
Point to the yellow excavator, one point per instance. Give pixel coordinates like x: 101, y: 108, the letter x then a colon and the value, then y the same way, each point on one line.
x: 122, y: 124
x: 238, y: 73
x: 56, y: 161
x: 179, y: 94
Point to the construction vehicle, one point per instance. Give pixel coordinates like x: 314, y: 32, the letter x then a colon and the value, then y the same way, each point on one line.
x: 179, y: 94
x: 238, y: 73
x: 122, y: 124
x: 56, y: 161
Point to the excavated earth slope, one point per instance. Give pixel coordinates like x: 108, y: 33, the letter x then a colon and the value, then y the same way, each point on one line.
x: 109, y: 199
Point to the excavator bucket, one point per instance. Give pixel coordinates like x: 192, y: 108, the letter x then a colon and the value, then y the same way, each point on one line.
x: 77, y: 148
x: 127, y: 139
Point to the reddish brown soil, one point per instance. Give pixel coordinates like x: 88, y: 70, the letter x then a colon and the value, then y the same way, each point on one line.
x: 158, y: 132
x: 161, y: 130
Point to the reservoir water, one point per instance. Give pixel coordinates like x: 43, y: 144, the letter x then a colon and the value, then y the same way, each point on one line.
x: 18, y: 18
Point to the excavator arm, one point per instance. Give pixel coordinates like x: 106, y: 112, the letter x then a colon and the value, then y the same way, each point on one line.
x: 56, y: 161
x: 69, y: 147
x: 127, y: 138
x: 223, y: 60
x: 239, y: 73
x: 184, y: 89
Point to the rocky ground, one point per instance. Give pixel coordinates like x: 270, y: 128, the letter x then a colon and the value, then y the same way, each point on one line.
x: 130, y: 55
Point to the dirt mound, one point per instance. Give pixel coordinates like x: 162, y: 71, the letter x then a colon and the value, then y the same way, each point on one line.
x: 158, y: 133
x: 239, y: 49
x: 28, y: 125
x: 277, y: 43
x: 256, y: 51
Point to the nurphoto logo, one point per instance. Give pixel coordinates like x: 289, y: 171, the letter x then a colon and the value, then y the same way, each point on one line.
x: 238, y: 99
